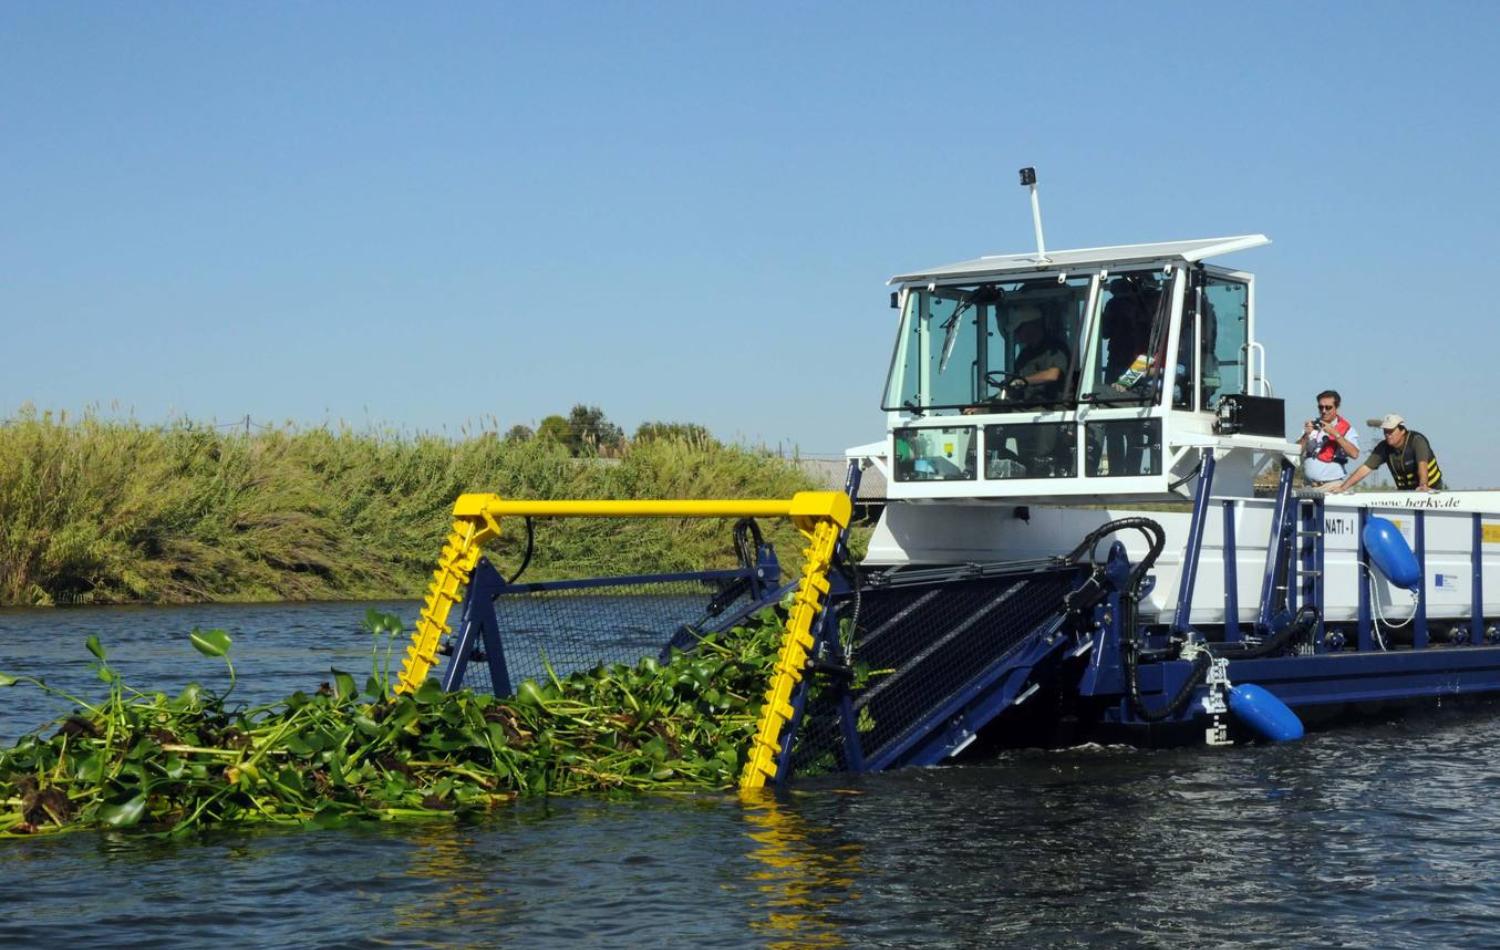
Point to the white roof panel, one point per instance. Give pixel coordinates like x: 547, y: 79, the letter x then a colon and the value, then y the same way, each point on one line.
x: 1086, y: 258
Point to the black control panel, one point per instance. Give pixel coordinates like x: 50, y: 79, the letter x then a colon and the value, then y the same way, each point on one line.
x: 1251, y: 415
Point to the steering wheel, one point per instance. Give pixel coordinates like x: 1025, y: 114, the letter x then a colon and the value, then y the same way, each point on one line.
x: 1001, y: 379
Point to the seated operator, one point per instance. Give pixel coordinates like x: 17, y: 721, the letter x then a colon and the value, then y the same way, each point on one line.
x: 1328, y: 443
x: 1040, y: 364
x: 1037, y: 383
x: 1408, y: 454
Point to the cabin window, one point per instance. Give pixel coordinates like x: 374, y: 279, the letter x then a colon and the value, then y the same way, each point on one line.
x: 1182, y: 384
x: 933, y: 454
x: 1130, y: 342
x: 1031, y: 450
x: 1216, y: 312
x: 1226, y: 326
x: 1119, y: 448
x: 997, y: 346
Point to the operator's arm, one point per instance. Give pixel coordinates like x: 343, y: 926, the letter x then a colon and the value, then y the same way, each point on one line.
x: 1351, y: 481
x: 1422, y: 452
x: 1054, y: 360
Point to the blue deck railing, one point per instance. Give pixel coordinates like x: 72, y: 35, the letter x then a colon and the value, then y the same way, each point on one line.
x: 1294, y: 574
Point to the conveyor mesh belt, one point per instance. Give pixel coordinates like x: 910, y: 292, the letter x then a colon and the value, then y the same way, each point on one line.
x: 914, y: 650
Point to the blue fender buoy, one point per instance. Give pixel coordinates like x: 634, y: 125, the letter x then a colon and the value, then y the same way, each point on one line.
x: 1391, y: 554
x: 1264, y: 714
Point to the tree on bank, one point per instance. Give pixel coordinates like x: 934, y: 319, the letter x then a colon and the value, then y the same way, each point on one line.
x: 587, y: 431
x: 592, y: 433
x: 584, y: 431
x: 555, y: 429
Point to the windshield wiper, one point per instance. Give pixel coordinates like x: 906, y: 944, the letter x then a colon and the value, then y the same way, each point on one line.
x: 950, y: 339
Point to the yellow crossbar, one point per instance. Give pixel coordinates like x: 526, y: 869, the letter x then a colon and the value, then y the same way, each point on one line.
x: 471, y: 506
x: 819, y: 516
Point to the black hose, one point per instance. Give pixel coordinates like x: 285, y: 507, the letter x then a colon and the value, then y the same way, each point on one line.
x: 526, y: 559
x: 1158, y: 541
x: 1305, y: 620
x: 747, y: 542
x: 1186, y: 478
x: 1155, y: 535
x: 747, y: 545
x: 851, y: 572
x: 1200, y: 670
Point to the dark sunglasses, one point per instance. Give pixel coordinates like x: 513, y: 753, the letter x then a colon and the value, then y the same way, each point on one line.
x: 1326, y: 408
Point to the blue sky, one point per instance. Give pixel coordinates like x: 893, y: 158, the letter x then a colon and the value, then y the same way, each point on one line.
x: 426, y: 216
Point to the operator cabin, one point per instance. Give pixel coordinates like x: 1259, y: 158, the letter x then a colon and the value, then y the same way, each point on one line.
x: 1155, y: 359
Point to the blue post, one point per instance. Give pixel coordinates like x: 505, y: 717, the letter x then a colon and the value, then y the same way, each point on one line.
x: 1419, y: 625
x: 478, y: 624
x: 852, y: 476
x: 1366, y: 641
x: 1264, y: 619
x: 1194, y: 543
x: 1320, y: 516
x: 1476, y: 600
x: 1232, y: 631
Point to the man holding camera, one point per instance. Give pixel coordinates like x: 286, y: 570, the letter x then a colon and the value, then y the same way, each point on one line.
x: 1328, y: 443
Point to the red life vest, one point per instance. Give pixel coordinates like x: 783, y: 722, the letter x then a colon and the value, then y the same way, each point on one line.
x: 1330, y: 450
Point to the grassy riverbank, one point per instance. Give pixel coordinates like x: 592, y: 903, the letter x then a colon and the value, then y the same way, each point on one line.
x: 96, y: 511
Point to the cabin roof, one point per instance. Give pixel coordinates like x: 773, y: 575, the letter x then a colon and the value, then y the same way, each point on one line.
x: 1086, y: 258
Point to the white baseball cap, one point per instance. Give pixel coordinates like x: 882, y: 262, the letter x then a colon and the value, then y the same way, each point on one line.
x: 1391, y: 421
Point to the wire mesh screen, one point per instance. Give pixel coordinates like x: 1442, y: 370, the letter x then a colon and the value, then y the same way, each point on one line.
x: 914, y: 649
x: 569, y: 626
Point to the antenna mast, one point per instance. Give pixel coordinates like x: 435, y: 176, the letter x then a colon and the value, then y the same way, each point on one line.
x: 1028, y: 180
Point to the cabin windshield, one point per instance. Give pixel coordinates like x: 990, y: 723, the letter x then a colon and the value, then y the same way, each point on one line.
x: 996, y: 346
x: 1128, y: 343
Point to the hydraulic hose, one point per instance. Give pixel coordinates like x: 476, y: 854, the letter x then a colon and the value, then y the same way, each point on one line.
x: 747, y: 542
x: 1200, y: 670
x: 1304, y: 621
x: 1094, y: 588
x: 1155, y: 535
x: 526, y: 559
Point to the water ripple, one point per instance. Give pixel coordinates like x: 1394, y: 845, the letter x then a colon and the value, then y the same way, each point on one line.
x: 1377, y: 834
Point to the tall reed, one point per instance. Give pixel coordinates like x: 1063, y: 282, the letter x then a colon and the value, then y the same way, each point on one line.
x: 105, y: 511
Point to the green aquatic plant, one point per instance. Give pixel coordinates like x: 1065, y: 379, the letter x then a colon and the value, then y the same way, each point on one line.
x: 380, y: 624
x: 173, y: 764
x: 214, y: 642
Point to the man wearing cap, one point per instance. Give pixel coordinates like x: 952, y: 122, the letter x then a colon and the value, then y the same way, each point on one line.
x: 1040, y: 364
x: 1037, y: 383
x: 1407, y: 452
x: 1328, y: 442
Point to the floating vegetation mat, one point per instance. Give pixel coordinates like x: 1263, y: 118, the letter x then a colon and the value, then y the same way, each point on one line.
x: 339, y: 754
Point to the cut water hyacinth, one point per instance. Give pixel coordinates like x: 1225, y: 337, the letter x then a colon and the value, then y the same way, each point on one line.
x: 174, y: 764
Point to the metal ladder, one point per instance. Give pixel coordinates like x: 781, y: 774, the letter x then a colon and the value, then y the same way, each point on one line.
x: 1308, y: 562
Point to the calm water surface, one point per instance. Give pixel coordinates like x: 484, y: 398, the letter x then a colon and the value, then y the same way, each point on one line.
x: 1383, y: 834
